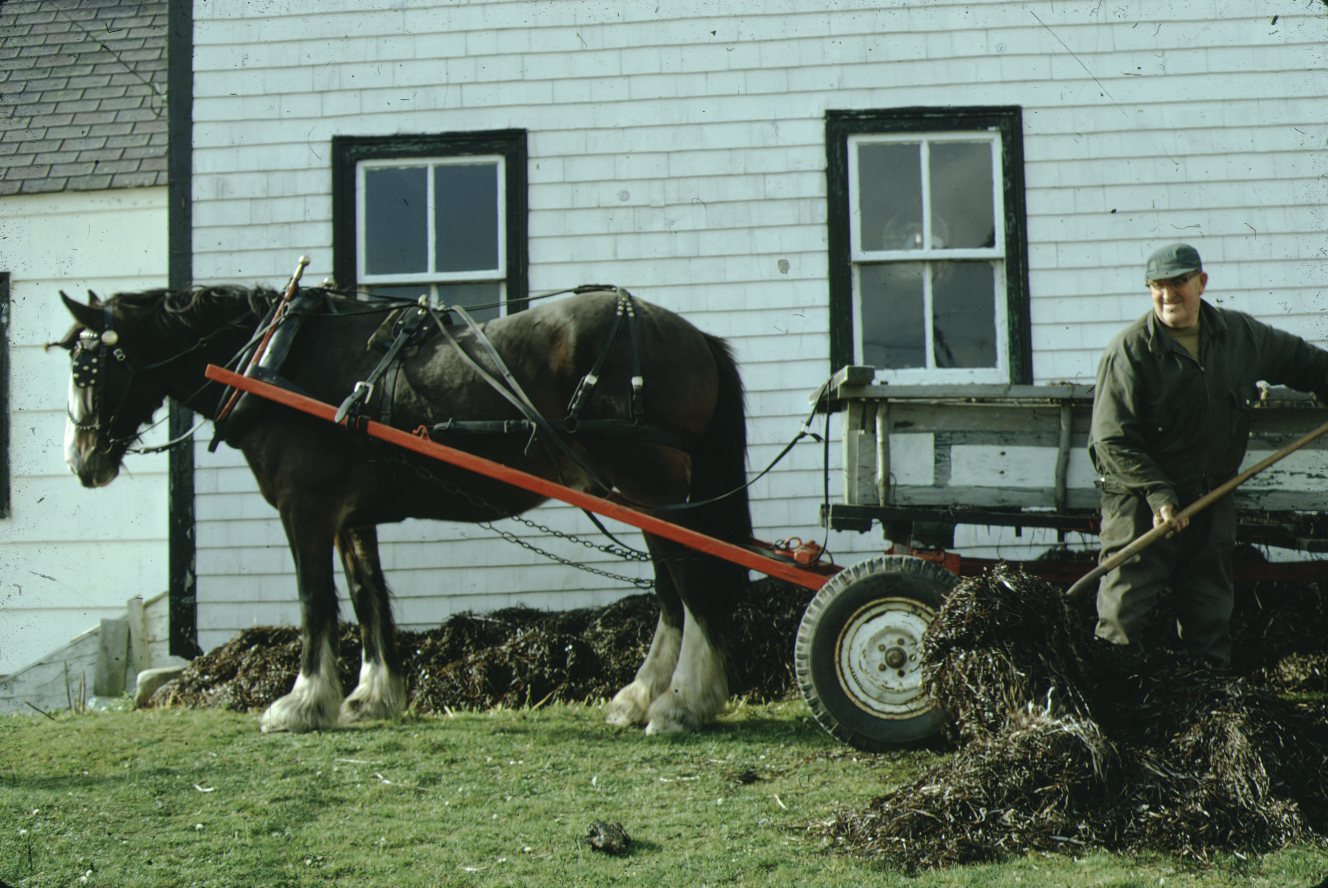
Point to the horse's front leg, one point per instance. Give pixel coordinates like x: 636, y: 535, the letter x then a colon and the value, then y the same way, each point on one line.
x: 315, y: 701
x: 381, y: 692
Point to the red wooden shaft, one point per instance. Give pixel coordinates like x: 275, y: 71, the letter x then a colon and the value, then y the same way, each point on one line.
x: 700, y: 542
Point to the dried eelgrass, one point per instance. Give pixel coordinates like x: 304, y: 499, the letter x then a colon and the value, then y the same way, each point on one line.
x: 516, y: 656
x: 1072, y: 743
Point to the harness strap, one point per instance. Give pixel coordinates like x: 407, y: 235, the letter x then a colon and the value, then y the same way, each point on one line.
x: 638, y: 381
x: 110, y: 337
x: 411, y: 323
x: 615, y: 428
x: 516, y: 396
x: 625, y: 308
x: 540, y: 424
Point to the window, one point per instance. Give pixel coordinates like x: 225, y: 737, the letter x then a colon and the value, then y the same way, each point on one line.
x: 440, y: 216
x: 928, y: 251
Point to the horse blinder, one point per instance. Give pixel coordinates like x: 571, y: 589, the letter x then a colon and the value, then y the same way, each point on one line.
x: 88, y: 365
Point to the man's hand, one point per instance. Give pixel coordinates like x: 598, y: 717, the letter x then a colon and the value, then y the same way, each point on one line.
x: 1167, y: 515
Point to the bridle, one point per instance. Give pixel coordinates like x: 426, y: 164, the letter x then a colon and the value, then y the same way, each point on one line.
x: 91, y: 362
x: 93, y: 356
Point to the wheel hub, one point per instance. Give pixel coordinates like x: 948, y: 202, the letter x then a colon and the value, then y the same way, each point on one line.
x: 879, y: 657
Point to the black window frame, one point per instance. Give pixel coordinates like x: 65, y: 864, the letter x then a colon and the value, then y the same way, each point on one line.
x: 349, y: 151
x: 1008, y: 121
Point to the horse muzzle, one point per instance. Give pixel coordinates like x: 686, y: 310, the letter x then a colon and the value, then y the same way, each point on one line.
x: 93, y: 466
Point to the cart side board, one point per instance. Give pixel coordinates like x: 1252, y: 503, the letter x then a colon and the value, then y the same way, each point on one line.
x: 1017, y: 456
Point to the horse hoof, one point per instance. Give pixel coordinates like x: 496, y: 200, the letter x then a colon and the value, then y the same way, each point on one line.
x: 627, y: 708
x: 275, y: 722
x: 298, y: 715
x: 668, y: 718
x: 364, y: 709
x: 380, y: 697
x: 620, y: 719
x: 670, y: 726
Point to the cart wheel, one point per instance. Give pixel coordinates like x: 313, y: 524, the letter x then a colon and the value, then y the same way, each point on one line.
x: 858, y: 655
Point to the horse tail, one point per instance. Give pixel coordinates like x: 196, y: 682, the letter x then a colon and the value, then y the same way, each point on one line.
x: 719, y: 463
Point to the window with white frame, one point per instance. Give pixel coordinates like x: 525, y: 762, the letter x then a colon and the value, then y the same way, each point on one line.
x: 433, y: 216
x: 923, y: 243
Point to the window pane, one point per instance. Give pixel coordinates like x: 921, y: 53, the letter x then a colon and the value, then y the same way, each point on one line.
x: 893, y: 335
x: 480, y: 300
x: 962, y: 213
x: 396, y: 217
x: 890, y: 195
x: 964, y: 314
x: 466, y: 216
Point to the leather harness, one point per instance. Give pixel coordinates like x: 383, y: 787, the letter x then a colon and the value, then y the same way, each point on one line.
x: 412, y: 327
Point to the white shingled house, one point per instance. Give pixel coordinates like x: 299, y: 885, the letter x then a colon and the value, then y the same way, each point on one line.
x: 768, y: 169
x: 83, y: 204
x: 771, y: 170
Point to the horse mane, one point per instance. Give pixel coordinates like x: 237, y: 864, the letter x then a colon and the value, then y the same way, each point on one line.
x: 201, y: 307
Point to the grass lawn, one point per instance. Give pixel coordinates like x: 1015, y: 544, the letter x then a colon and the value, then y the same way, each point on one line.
x: 201, y: 798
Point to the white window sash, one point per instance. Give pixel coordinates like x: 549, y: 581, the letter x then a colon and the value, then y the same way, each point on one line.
x: 858, y: 254
x: 498, y: 273
x: 931, y: 374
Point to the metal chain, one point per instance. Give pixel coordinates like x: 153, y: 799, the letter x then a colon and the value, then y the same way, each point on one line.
x: 615, y: 551
x: 624, y: 553
x: 639, y: 582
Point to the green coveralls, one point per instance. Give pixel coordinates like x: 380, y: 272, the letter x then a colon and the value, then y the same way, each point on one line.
x: 1167, y: 429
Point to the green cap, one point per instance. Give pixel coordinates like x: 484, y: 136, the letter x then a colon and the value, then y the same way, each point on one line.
x: 1172, y: 261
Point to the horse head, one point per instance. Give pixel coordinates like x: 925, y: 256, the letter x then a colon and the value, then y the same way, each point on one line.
x: 108, y: 399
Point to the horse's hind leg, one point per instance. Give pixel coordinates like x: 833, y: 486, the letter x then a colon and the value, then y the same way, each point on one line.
x: 699, y: 688
x: 629, y: 705
x: 381, y: 692
x: 314, y: 702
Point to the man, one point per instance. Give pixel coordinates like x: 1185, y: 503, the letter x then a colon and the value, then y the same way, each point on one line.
x: 1170, y: 423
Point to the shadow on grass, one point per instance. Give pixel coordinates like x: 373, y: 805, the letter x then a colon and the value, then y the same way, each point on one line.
x: 639, y: 847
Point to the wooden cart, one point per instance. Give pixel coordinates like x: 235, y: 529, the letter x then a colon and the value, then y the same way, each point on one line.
x: 920, y: 460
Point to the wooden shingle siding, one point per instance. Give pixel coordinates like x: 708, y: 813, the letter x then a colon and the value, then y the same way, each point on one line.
x: 679, y: 151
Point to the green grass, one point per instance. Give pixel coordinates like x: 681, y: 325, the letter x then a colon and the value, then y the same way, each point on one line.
x: 201, y: 798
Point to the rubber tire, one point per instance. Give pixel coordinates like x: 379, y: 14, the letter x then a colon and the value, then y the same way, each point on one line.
x: 912, y: 582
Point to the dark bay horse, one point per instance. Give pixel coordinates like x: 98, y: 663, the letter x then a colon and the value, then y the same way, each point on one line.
x: 332, y: 487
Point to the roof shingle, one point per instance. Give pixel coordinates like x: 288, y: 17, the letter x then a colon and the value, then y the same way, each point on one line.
x: 82, y: 94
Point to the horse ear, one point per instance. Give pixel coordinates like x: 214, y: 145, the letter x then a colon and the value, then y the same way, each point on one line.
x: 94, y: 301
x: 87, y: 315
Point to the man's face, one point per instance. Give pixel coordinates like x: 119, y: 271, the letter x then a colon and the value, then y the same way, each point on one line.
x: 1176, y: 300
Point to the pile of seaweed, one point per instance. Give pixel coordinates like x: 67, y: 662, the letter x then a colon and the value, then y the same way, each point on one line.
x: 1068, y: 742
x: 513, y: 657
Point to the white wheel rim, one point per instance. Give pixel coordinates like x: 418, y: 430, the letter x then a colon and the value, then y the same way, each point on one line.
x: 879, y: 658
